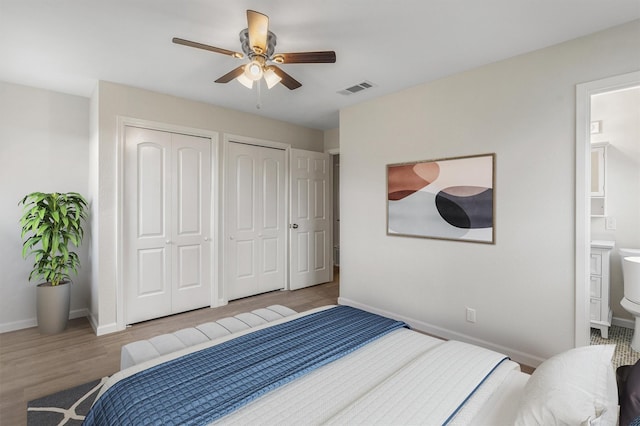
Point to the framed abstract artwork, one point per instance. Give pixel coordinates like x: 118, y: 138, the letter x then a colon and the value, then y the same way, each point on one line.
x: 451, y: 199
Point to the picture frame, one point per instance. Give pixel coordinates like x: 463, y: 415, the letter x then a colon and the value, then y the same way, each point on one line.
x: 446, y: 199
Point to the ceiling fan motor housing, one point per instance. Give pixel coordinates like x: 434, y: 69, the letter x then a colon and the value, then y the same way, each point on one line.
x: 251, y: 52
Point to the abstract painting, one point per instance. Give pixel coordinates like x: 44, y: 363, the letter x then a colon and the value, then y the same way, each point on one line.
x: 450, y: 199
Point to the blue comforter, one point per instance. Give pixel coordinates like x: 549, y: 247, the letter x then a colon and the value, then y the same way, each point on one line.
x: 203, y: 386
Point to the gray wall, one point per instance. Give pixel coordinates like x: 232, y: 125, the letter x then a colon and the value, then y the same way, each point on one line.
x: 111, y: 101
x: 57, y: 142
x: 523, y: 109
x: 43, y: 147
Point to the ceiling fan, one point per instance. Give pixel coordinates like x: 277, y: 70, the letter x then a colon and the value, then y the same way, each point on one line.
x: 258, y: 44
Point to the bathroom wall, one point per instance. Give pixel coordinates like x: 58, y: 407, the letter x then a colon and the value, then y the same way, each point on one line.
x: 619, y: 116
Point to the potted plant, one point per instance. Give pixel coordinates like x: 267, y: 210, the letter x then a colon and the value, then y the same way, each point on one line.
x: 51, y: 222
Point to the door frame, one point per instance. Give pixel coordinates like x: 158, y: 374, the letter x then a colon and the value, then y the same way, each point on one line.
x: 584, y: 91
x: 227, y: 138
x: 213, y: 136
x: 333, y: 152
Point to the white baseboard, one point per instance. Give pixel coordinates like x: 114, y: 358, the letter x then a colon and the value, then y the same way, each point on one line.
x: 93, y: 322
x: 78, y: 313
x: 623, y: 322
x: 519, y: 357
x: 18, y: 325
x: 101, y: 330
x: 33, y: 322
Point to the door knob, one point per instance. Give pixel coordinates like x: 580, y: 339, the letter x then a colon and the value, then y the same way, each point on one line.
x: 231, y: 237
x: 168, y: 241
x: 294, y: 226
x: 206, y: 238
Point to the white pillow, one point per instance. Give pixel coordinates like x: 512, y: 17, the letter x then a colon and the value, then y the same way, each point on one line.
x: 576, y: 387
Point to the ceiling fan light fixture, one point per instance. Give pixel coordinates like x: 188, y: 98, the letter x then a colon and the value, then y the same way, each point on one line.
x: 271, y: 78
x: 258, y: 45
x: 245, y: 81
x: 253, y: 70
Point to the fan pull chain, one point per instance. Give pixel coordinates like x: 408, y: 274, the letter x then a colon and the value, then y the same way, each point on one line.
x: 259, y: 102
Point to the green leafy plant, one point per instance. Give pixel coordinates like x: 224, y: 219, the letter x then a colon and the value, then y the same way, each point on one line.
x: 52, y: 221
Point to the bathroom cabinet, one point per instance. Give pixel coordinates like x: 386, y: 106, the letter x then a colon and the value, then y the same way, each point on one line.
x: 599, y: 179
x: 599, y: 288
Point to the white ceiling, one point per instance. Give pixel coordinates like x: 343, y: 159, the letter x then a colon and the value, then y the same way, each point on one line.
x: 68, y: 45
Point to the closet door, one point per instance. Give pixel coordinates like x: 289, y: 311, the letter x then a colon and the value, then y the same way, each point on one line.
x: 254, y: 220
x: 147, y: 231
x: 166, y: 204
x: 190, y: 219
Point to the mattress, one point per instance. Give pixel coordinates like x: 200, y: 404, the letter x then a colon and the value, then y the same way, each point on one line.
x: 401, y: 377
x: 378, y: 385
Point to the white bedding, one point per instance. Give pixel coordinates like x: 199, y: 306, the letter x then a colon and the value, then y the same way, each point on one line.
x: 428, y: 390
x: 502, y: 406
x: 368, y: 387
x: 388, y: 381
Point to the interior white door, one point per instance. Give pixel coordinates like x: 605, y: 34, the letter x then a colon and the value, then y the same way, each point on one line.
x: 255, y: 220
x: 147, y: 254
x: 167, y: 187
x: 191, y: 221
x: 311, y: 215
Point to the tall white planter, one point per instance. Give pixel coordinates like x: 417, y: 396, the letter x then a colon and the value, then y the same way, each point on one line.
x: 53, y: 307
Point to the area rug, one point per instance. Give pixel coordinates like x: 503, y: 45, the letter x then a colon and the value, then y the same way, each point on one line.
x: 67, y: 407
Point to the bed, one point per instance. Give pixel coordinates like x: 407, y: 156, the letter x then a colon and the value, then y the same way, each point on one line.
x: 341, y: 365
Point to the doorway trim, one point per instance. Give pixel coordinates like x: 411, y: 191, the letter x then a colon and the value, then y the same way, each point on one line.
x: 335, y: 242
x: 213, y: 136
x: 584, y: 91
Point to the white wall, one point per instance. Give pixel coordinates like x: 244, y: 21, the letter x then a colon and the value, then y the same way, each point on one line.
x: 331, y: 139
x: 43, y: 147
x: 522, y: 109
x: 56, y: 142
x: 114, y: 100
x: 619, y: 113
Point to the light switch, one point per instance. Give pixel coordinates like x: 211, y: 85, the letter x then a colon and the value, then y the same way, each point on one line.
x: 471, y: 315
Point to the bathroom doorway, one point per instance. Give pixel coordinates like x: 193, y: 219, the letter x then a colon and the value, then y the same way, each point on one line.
x: 335, y: 164
x: 591, y: 128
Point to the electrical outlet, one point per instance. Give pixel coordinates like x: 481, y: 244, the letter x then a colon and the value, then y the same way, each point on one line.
x: 471, y: 315
x: 610, y: 223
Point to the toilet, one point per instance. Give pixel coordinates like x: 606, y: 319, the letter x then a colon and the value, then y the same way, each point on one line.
x: 631, y: 300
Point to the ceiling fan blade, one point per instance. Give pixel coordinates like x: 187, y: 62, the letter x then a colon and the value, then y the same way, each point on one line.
x: 288, y: 81
x: 258, y: 29
x: 324, y: 57
x: 231, y: 75
x: 197, y: 45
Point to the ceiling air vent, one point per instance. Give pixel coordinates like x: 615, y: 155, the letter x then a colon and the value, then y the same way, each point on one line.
x: 357, y: 88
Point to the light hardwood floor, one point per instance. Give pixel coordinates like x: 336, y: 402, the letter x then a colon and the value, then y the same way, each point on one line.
x: 34, y: 365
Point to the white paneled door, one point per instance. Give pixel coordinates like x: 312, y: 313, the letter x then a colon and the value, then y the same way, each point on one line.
x: 311, y: 215
x: 255, y: 221
x: 167, y: 203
